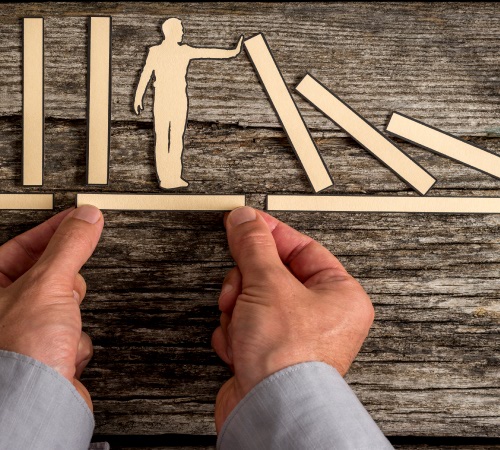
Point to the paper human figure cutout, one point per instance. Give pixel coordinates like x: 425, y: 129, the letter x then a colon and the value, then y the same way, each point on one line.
x: 168, y: 64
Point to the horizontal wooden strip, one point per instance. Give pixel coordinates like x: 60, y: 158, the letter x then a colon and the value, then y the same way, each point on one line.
x: 26, y: 201
x: 159, y: 202
x: 444, y: 144
x: 376, y: 203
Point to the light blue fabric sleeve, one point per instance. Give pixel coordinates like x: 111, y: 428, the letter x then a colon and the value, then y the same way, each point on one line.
x: 40, y: 409
x: 305, y: 406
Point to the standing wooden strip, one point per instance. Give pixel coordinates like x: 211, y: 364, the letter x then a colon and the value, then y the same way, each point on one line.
x: 377, y: 203
x: 300, y: 138
x: 160, y: 202
x: 444, y: 144
x: 365, y: 134
x: 26, y: 201
x: 33, y: 102
x: 99, y: 101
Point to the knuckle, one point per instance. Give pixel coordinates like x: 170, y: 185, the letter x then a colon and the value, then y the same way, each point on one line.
x: 78, y: 237
x: 254, y: 238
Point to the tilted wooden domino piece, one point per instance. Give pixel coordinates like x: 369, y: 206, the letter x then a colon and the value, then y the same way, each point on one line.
x: 365, y: 134
x: 299, y: 136
x: 444, y: 144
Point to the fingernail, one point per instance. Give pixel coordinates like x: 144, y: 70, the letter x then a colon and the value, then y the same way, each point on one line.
x: 241, y: 215
x: 88, y: 213
x: 76, y: 296
x: 225, y: 289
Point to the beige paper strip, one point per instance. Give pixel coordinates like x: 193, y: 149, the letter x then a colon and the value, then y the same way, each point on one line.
x: 26, y: 201
x: 444, y: 144
x: 33, y: 108
x: 369, y: 203
x: 161, y: 202
x: 287, y: 111
x: 99, y: 100
x: 364, y: 133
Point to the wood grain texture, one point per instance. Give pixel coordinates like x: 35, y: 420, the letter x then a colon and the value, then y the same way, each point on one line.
x: 430, y: 366
x: 397, y: 447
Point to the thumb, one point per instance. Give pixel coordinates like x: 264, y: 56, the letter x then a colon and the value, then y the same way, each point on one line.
x: 252, y: 244
x: 73, y: 243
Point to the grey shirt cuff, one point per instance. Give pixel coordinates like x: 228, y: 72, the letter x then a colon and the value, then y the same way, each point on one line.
x: 40, y: 409
x: 308, y: 405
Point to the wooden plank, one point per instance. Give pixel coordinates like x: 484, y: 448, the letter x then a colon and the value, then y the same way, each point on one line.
x: 444, y: 144
x: 387, y: 204
x: 33, y: 101
x: 26, y: 201
x: 365, y: 134
x: 161, y: 202
x: 300, y: 138
x: 99, y: 100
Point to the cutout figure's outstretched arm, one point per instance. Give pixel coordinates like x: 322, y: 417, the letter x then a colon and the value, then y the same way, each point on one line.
x: 146, y: 74
x: 216, y: 53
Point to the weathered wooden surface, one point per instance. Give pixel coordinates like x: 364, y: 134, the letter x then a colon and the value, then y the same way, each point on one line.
x: 430, y: 365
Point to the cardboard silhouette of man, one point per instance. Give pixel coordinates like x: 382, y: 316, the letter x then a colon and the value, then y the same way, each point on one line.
x: 168, y: 63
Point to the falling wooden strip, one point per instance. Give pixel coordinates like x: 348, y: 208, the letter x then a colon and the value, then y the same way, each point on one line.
x: 365, y: 134
x: 298, y: 134
x: 370, y: 203
x: 444, y: 144
x: 26, y: 201
x: 99, y: 100
x: 33, y: 101
x: 161, y: 202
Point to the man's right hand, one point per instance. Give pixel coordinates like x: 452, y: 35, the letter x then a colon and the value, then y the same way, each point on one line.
x: 138, y: 107
x: 289, y: 300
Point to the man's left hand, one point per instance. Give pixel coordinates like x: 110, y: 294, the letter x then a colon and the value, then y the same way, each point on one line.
x: 41, y: 290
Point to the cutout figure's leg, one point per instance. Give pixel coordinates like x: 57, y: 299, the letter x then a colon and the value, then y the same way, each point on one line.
x: 176, y: 146
x: 161, y: 126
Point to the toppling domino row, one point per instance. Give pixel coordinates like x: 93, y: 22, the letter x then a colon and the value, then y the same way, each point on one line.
x: 299, y: 136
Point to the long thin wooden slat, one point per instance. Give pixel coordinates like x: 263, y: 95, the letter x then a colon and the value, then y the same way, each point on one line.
x: 444, y: 144
x: 299, y: 136
x: 372, y: 203
x: 26, y: 201
x: 33, y: 101
x: 162, y: 202
x: 365, y: 134
x: 99, y: 95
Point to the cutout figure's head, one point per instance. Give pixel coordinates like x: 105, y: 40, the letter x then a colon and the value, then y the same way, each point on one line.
x: 173, y: 30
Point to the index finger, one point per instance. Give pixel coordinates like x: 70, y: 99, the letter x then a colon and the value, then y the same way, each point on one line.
x: 20, y: 253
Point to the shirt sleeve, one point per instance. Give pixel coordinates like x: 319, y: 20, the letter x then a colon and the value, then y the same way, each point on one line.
x: 308, y: 405
x: 39, y: 408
